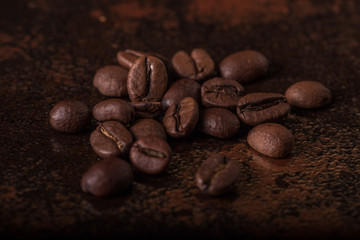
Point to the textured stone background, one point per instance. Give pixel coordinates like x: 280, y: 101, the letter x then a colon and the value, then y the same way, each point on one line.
x: 50, y: 50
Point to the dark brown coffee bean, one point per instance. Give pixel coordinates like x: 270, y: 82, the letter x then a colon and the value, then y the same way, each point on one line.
x: 128, y: 57
x: 198, y: 66
x: 107, y: 177
x: 244, y: 66
x: 147, y: 109
x: 147, y: 127
x: 308, y: 94
x: 111, y: 139
x: 150, y: 155
x: 114, y: 109
x: 111, y: 81
x: 180, y: 89
x: 217, y: 175
x: 271, y: 139
x: 70, y: 116
x: 180, y: 119
x: 219, y: 122
x: 256, y: 108
x: 147, y: 80
x: 220, y: 92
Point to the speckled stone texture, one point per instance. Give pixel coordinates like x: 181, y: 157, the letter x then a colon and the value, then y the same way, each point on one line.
x: 50, y: 50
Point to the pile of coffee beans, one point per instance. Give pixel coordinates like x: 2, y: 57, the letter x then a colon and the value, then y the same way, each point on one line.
x: 143, y: 110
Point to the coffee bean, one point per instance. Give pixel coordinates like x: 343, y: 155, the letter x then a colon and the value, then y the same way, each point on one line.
x: 114, y: 109
x: 147, y: 80
x: 111, y: 81
x: 244, y: 66
x: 198, y: 66
x: 271, y: 139
x: 180, y: 119
x: 256, y: 108
x: 147, y: 109
x: 107, y: 177
x: 219, y: 122
x: 150, y: 155
x: 180, y: 89
x: 70, y: 116
x: 147, y: 127
x: 111, y: 139
x: 220, y: 92
x: 217, y: 175
x: 308, y: 94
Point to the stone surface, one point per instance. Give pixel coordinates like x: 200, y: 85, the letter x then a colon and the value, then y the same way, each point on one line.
x: 50, y: 50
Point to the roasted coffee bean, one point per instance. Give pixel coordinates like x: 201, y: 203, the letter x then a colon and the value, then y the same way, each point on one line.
x: 217, y: 175
x: 150, y: 155
x: 198, y: 66
x: 111, y: 81
x: 244, y: 66
x: 308, y: 94
x: 147, y: 80
x: 256, y: 108
x: 180, y: 119
x: 128, y: 57
x: 147, y: 109
x: 70, y: 116
x: 219, y: 122
x: 114, y: 109
x: 107, y: 177
x: 180, y: 89
x: 271, y: 139
x: 147, y: 127
x: 220, y: 92
x: 111, y: 139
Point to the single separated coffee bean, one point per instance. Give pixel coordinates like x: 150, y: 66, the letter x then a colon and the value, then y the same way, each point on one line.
x: 107, y: 177
x: 111, y: 81
x: 256, y: 108
x: 111, y: 139
x: 308, y: 94
x: 219, y: 122
x: 180, y: 89
x: 197, y: 66
x: 70, y: 116
x: 244, y: 66
x: 180, y: 119
x: 128, y: 57
x: 150, y: 155
x: 220, y: 92
x: 217, y: 175
x: 147, y: 127
x: 271, y: 139
x: 114, y: 109
x: 147, y: 80
x: 147, y: 109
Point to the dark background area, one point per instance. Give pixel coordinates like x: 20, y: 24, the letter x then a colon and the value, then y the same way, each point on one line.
x: 50, y: 50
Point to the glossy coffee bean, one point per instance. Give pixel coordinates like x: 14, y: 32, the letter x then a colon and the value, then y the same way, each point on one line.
x: 107, y: 177
x: 150, y: 155
x: 70, y: 116
x: 271, y: 139
x: 244, y: 66
x: 180, y: 89
x: 308, y: 94
x: 128, y: 57
x: 147, y: 80
x: 147, y: 127
x: 111, y: 81
x: 217, y: 175
x: 220, y: 92
x: 219, y: 122
x: 198, y: 66
x: 111, y: 139
x: 180, y: 119
x: 147, y: 109
x: 114, y: 109
x: 256, y: 108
